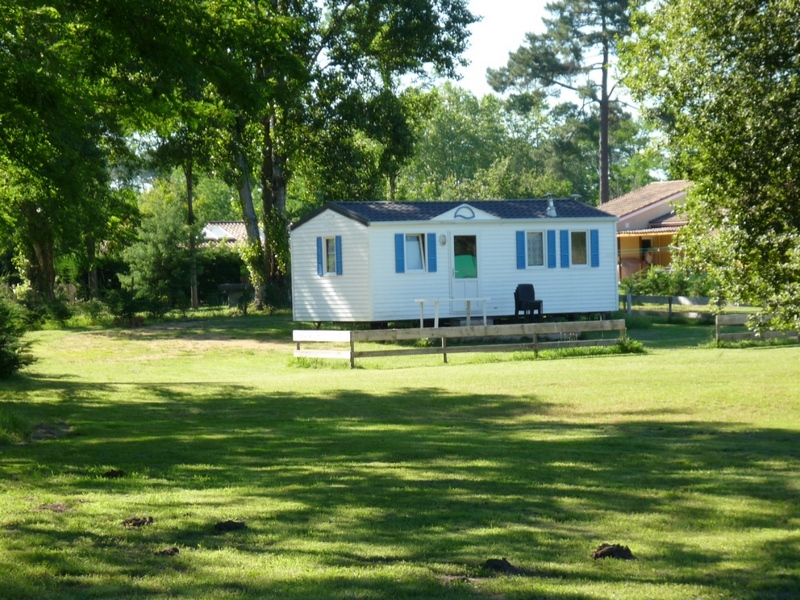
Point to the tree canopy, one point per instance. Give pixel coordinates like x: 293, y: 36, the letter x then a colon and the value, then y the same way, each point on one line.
x: 470, y: 148
x: 728, y: 96
x: 80, y: 79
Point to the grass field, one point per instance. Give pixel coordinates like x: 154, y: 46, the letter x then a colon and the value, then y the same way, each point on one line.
x: 398, y: 479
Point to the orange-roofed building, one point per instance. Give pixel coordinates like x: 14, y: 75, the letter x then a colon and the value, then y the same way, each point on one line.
x: 649, y: 219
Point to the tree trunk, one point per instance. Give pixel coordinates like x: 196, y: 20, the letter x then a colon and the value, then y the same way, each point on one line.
x: 605, y: 195
x: 188, y: 171
x: 255, y: 252
x: 39, y: 252
x: 42, y: 269
x: 273, y: 188
x: 91, y: 255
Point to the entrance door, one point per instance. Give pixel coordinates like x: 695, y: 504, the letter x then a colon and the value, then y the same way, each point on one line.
x: 464, y: 280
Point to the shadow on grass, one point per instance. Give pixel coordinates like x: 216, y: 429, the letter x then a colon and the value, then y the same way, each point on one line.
x: 379, y: 495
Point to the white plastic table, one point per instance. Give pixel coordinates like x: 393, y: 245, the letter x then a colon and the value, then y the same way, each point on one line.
x: 436, y: 302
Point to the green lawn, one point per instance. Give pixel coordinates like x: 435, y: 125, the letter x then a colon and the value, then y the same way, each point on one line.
x: 400, y: 478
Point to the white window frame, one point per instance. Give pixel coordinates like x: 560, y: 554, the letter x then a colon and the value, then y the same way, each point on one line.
x: 542, y: 256
x: 586, y: 249
x: 420, y: 237
x: 329, y: 255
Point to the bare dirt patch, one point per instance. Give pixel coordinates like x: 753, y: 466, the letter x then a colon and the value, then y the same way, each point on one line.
x: 138, y: 521
x: 501, y: 565
x: 56, y: 507
x: 613, y: 551
x: 174, y: 340
x: 50, y: 431
x: 225, y: 526
x: 113, y: 474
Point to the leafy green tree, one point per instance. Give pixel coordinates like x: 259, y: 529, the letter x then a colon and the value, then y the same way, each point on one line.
x: 215, y: 200
x: 219, y: 264
x: 563, y: 57
x: 354, y: 54
x: 569, y: 149
x: 74, y: 78
x: 636, y: 153
x: 502, y: 181
x: 159, y: 261
x: 53, y: 142
x: 728, y: 96
x: 488, y: 149
x: 459, y: 136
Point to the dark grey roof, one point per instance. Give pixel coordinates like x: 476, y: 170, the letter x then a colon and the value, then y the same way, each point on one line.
x: 382, y: 212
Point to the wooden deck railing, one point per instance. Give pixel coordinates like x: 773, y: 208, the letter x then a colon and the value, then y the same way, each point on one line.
x: 569, y: 331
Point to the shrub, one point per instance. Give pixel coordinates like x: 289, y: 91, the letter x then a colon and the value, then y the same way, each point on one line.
x: 658, y: 281
x: 123, y: 304
x: 217, y: 264
x: 13, y: 351
x: 90, y: 312
x: 36, y: 311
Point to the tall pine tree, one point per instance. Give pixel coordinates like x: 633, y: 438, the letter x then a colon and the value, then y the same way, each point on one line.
x: 580, y: 39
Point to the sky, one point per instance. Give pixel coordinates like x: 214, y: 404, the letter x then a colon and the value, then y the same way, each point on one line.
x: 502, y: 30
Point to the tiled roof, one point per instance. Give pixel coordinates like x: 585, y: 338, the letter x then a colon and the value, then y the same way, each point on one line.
x: 381, y: 212
x: 225, y: 230
x: 650, y: 194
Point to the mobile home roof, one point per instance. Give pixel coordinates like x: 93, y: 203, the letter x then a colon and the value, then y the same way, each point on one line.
x: 377, y: 212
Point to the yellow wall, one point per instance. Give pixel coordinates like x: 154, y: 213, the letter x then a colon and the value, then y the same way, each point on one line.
x: 632, y: 259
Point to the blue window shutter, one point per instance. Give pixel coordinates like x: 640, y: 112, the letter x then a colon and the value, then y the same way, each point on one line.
x: 564, y: 235
x: 399, y: 253
x: 594, y: 236
x: 551, y: 249
x: 520, y: 249
x: 320, y: 272
x: 432, y: 253
x: 338, y: 255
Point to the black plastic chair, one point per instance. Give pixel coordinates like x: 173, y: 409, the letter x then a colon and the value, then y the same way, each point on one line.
x: 525, y: 302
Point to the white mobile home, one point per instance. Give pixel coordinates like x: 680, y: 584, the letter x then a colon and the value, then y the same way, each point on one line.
x: 372, y: 261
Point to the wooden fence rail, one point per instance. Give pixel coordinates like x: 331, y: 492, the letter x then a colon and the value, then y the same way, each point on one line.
x: 628, y: 300
x: 567, y: 331
x: 741, y: 319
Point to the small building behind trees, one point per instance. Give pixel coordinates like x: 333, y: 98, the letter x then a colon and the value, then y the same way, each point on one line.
x: 649, y: 220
